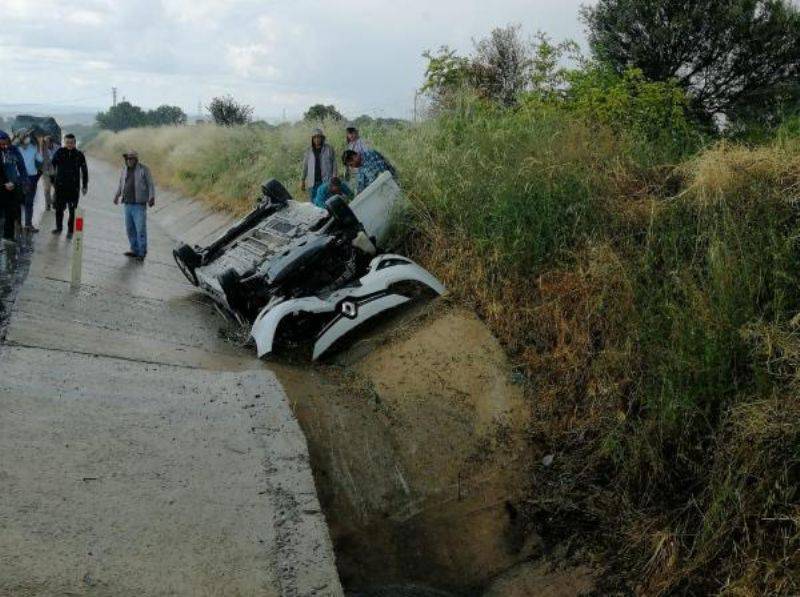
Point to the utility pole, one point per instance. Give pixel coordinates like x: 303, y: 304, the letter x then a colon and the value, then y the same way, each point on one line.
x: 114, y: 97
x: 416, y: 95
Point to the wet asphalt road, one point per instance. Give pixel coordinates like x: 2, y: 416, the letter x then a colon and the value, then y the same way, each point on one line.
x: 15, y: 261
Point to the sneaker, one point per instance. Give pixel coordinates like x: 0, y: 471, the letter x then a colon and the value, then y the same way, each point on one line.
x: 69, y: 235
x: 140, y: 258
x: 57, y: 231
x: 129, y: 254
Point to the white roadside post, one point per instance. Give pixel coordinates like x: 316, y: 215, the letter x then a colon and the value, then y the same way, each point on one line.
x: 77, y: 251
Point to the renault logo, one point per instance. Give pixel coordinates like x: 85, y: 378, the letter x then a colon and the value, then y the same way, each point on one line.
x: 349, y: 309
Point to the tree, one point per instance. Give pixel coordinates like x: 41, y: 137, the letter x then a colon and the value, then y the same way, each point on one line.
x: 226, y: 111
x: 501, y: 66
x: 165, y: 116
x: 446, y: 74
x: 730, y: 55
x: 320, y: 112
x: 122, y: 116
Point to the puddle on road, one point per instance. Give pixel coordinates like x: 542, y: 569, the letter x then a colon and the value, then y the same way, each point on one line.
x: 15, y: 261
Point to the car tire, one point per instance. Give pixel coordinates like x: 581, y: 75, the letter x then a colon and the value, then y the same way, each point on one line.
x: 187, y: 260
x: 275, y: 191
x: 229, y: 281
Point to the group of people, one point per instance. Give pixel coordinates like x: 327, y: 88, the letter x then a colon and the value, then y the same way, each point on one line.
x: 66, y: 178
x: 25, y: 161
x: 320, y: 174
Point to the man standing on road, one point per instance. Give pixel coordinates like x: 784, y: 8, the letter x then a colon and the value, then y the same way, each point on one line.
x: 33, y: 160
x: 319, y: 164
x: 137, y: 191
x: 370, y: 165
x: 72, y: 179
x: 14, y: 174
x: 48, y: 150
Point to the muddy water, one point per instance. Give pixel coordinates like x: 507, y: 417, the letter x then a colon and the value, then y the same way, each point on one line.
x: 416, y: 440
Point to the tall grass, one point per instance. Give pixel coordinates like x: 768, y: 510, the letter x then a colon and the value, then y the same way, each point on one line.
x: 653, y: 305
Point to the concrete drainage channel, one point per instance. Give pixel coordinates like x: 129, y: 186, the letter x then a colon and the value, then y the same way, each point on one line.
x: 416, y: 438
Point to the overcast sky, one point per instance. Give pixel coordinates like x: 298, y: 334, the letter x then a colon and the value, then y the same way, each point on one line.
x: 364, y: 56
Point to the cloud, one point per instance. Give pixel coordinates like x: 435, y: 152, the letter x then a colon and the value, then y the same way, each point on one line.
x: 361, y: 55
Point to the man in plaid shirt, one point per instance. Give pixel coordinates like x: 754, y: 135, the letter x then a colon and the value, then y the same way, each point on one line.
x: 370, y: 164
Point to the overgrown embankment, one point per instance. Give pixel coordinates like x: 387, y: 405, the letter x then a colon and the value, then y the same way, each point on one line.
x: 649, y: 292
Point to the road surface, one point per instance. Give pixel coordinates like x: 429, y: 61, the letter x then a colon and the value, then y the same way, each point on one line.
x: 140, y: 453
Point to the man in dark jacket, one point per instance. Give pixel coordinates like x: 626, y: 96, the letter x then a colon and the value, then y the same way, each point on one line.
x: 72, y: 179
x: 13, y: 180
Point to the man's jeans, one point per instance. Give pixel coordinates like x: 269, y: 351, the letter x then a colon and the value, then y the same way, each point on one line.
x: 30, y: 196
x: 136, y: 225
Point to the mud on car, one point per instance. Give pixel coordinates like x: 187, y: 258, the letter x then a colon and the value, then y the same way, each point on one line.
x: 299, y: 273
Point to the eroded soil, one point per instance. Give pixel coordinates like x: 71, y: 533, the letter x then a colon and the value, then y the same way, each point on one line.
x: 416, y: 436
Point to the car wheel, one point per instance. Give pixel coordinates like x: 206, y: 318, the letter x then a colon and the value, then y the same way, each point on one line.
x: 187, y: 260
x: 237, y: 301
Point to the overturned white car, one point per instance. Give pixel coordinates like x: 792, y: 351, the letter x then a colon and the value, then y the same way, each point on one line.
x: 302, y: 273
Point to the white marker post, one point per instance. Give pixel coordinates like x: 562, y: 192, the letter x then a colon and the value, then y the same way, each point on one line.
x: 77, y: 251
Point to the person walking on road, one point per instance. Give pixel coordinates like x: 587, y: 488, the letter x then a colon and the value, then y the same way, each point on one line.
x: 370, y: 164
x: 48, y: 150
x: 137, y: 191
x: 33, y: 161
x: 319, y: 164
x: 72, y: 179
x: 11, y: 192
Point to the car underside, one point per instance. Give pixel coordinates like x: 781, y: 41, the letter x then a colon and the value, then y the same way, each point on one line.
x: 296, y: 271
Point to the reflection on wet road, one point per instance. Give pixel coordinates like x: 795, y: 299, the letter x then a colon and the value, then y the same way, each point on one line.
x: 15, y: 259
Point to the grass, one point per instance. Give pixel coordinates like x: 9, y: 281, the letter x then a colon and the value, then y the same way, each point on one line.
x: 651, y: 298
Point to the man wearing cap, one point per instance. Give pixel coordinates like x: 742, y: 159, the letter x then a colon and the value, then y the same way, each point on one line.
x: 11, y: 185
x: 137, y: 191
x: 319, y: 164
x: 72, y: 179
